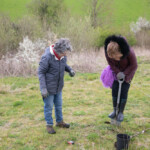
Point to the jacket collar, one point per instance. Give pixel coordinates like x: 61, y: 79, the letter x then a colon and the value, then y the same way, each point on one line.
x: 51, y: 51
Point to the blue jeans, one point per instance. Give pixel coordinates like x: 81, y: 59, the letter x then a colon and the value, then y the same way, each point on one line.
x: 55, y: 99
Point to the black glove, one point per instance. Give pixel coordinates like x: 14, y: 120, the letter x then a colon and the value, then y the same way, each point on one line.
x: 44, y: 93
x: 120, y: 76
x: 72, y: 73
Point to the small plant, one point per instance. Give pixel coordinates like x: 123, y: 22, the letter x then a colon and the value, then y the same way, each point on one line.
x: 18, y: 103
x: 79, y: 113
x: 93, y: 137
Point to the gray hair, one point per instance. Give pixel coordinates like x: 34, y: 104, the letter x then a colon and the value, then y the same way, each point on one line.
x: 62, y: 45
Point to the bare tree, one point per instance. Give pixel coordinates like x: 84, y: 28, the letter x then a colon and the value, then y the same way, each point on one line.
x: 94, y: 12
x: 98, y: 7
x: 47, y: 10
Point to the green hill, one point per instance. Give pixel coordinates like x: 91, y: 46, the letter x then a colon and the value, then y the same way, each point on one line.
x: 14, y: 8
x: 123, y: 11
x: 130, y: 10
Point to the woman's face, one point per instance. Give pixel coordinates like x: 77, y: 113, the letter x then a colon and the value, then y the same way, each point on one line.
x: 65, y: 53
x: 116, y: 56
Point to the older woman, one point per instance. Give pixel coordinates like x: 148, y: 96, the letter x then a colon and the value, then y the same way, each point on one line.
x: 51, y: 77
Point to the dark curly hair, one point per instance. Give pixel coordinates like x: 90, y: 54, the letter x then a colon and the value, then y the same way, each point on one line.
x: 124, y: 47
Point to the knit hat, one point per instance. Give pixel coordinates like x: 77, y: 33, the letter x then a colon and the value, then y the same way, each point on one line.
x: 62, y: 45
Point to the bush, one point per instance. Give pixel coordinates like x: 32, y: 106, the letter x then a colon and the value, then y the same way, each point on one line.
x: 26, y: 60
x: 103, y: 34
x: 47, y: 10
x: 141, y: 30
x: 78, y: 30
x: 143, y: 38
x: 9, y: 38
x: 130, y: 38
x: 11, y: 33
x: 84, y: 36
x: 31, y: 27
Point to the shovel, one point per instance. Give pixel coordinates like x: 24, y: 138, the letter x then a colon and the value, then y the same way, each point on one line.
x: 114, y: 121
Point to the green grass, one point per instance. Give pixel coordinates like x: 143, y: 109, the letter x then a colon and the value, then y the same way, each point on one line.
x: 86, y: 105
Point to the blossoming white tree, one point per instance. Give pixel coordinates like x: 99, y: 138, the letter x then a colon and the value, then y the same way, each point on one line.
x: 141, y: 29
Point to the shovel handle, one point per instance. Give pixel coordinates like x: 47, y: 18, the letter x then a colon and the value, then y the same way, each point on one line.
x: 121, y: 81
x: 119, y: 93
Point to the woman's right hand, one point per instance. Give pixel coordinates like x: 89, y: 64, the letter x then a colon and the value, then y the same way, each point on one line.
x: 120, y: 76
x: 44, y: 93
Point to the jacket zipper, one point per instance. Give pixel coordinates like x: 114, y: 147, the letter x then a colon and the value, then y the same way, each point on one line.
x: 59, y: 77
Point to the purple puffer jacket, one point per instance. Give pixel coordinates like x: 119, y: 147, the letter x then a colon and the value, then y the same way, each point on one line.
x: 128, y: 62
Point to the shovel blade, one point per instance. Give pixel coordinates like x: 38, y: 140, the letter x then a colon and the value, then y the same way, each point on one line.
x: 115, y: 122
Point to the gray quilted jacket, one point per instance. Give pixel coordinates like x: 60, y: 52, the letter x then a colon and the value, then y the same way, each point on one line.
x: 51, y: 72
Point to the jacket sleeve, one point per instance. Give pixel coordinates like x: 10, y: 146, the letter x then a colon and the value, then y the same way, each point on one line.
x: 131, y: 69
x: 67, y: 68
x: 42, y: 70
x: 112, y: 64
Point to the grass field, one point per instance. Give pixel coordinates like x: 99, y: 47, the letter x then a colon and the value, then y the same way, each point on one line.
x: 123, y: 12
x: 86, y: 105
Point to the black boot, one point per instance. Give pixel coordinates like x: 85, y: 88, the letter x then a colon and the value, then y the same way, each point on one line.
x: 113, y: 114
x: 120, y: 116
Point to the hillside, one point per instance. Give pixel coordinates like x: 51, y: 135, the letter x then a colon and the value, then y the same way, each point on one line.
x: 123, y: 12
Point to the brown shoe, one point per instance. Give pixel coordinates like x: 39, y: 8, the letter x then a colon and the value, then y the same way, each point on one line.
x: 50, y: 129
x: 62, y: 124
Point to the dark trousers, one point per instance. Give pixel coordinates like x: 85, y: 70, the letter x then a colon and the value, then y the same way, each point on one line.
x: 124, y: 89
